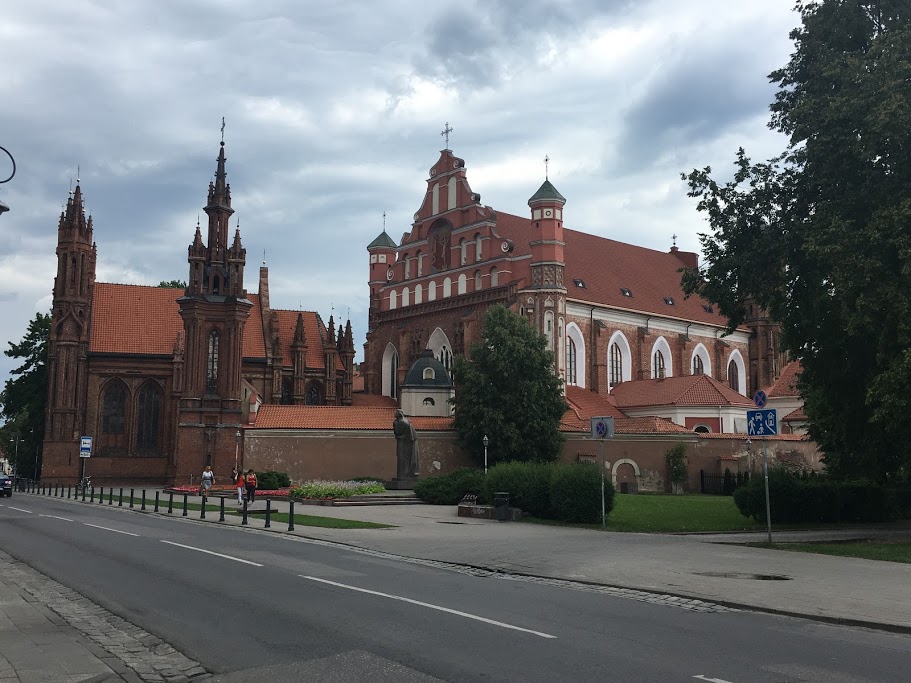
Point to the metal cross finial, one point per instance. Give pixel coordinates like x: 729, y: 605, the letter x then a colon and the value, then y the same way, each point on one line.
x: 264, y: 257
x: 71, y: 187
x: 674, y: 237
x: 384, y: 221
x: 77, y: 175
x: 546, y: 166
x: 222, y: 128
x: 197, y: 221
x: 447, y: 129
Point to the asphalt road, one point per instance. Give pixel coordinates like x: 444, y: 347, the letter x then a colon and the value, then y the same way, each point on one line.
x: 250, y: 605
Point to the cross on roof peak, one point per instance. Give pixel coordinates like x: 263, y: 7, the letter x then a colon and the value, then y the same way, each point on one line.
x: 546, y: 166
x: 447, y: 129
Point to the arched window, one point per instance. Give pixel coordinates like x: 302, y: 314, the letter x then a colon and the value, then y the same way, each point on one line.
x: 702, y: 429
x: 406, y: 297
x: 698, y: 368
x: 616, y: 364
x: 435, y: 200
x: 392, y: 300
x: 147, y: 415
x: 451, y: 196
x: 477, y: 280
x: 432, y: 291
x: 463, y: 251
x: 429, y: 373
x: 407, y: 260
x: 658, y: 365
x: 478, y: 247
x: 463, y: 283
x: 445, y: 357
x: 570, y: 361
x: 733, y: 376
x: 701, y: 363
x: 494, y: 277
x: 212, y: 361
x: 390, y: 371
x: 420, y: 263
x: 428, y: 401
x: 287, y: 391
x: 312, y: 397
x: 447, y: 288
x: 114, y: 408
x: 418, y: 294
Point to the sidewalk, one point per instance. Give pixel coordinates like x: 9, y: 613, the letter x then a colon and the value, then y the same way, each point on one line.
x: 706, y: 566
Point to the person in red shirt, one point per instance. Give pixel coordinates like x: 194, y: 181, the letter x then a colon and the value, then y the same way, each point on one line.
x: 241, y: 483
x: 250, y: 481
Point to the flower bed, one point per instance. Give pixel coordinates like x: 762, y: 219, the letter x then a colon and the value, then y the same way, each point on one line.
x: 322, y: 489
x: 194, y: 490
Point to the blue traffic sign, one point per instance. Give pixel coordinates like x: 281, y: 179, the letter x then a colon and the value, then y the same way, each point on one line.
x: 602, y: 427
x: 760, y: 399
x: 762, y: 422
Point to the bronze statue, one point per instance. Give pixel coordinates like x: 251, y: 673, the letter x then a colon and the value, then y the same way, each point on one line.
x: 406, y: 447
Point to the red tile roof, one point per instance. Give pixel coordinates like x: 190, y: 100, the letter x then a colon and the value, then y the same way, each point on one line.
x: 361, y: 400
x: 272, y: 416
x: 254, y: 344
x: 688, y: 390
x: 650, y: 275
x: 786, y: 384
x: 742, y: 436
x: 315, y: 334
x: 586, y: 404
x: 796, y: 415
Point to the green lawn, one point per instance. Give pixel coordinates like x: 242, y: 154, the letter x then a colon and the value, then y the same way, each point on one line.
x: 660, y: 513
x: 868, y: 550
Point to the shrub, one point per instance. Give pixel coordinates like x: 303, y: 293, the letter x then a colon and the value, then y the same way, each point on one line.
x: 575, y: 493
x: 269, y: 481
x: 729, y: 484
x: 369, y: 479
x: 677, y: 472
x: 336, y: 489
x: 528, y: 485
x: 449, y: 489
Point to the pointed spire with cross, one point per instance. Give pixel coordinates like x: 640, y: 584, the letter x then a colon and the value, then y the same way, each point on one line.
x: 222, y: 129
x: 674, y: 237
x: 546, y: 167
x: 447, y: 129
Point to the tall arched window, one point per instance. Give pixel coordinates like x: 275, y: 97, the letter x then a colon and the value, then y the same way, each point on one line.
x: 570, y: 361
x: 212, y: 361
x: 147, y: 415
x: 447, y: 288
x: 114, y: 408
x: 406, y: 297
x: 463, y: 251
x: 432, y: 291
x: 658, y: 363
x: 616, y: 364
x: 420, y: 263
x: 287, y: 391
x: 733, y: 376
x: 445, y: 357
x: 407, y: 266
x: 312, y: 398
x: 393, y: 300
x: 477, y: 247
x: 418, y: 294
x: 477, y: 280
x: 698, y: 367
x: 463, y: 283
x: 494, y: 277
x: 394, y: 376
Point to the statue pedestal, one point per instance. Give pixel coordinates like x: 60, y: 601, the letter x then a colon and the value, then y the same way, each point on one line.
x: 401, y: 483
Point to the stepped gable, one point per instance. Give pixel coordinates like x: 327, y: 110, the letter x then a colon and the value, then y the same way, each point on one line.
x: 607, y: 266
x: 786, y: 384
x: 314, y: 332
x: 271, y: 416
x: 689, y: 390
x: 143, y: 319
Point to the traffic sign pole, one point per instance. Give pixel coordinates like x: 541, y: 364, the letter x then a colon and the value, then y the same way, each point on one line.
x: 768, y: 507
x: 603, y: 511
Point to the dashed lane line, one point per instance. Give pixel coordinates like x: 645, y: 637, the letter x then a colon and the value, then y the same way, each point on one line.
x: 20, y: 509
x: 65, y: 519
x: 430, y: 606
x: 107, y: 528
x: 209, y: 552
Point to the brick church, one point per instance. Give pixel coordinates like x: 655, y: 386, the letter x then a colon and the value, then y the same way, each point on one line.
x: 164, y: 379
x: 613, y: 314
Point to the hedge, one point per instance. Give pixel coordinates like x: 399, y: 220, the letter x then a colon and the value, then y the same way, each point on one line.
x: 449, y: 489
x: 575, y: 493
x: 270, y: 481
x: 528, y: 485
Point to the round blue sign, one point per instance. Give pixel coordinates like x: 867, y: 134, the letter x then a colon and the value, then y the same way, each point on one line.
x: 760, y: 399
x: 601, y: 428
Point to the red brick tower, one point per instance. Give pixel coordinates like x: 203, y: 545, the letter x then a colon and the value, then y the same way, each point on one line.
x: 68, y: 342
x: 214, y: 309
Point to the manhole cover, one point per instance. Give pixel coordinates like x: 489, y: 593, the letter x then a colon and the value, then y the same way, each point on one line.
x: 744, y: 575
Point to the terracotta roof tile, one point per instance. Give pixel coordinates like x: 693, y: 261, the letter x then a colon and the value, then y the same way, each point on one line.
x: 272, y: 416
x: 786, y: 384
x: 778, y: 437
x: 134, y: 319
x: 254, y: 344
x: 688, y: 390
x: 361, y: 400
x: 796, y: 415
x: 587, y: 404
x: 625, y: 425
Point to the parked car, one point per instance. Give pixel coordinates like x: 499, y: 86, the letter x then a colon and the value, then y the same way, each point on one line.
x: 6, y: 486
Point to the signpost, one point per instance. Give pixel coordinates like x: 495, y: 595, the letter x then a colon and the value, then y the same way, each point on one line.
x: 602, y: 428
x: 85, y: 451
x: 763, y: 423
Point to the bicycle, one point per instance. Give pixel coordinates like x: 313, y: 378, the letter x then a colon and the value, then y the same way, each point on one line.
x: 84, y: 484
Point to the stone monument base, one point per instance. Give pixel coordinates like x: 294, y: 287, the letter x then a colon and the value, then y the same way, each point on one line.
x: 401, y: 483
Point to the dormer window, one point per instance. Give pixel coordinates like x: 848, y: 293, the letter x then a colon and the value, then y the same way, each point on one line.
x: 429, y: 373
x: 669, y: 301
x: 626, y: 292
x: 579, y: 283
x: 707, y: 308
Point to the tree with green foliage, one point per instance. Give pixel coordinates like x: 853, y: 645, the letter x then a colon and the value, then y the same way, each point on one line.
x: 507, y: 390
x: 173, y: 284
x: 24, y: 397
x: 820, y: 236
x: 677, y: 469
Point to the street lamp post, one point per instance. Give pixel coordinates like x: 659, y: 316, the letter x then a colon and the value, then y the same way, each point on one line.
x: 486, y: 442
x: 16, y: 457
x: 236, y: 449
x: 3, y: 207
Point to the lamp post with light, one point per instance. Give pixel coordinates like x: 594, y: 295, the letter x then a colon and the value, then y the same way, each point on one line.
x: 3, y: 207
x: 486, y: 442
x: 236, y: 451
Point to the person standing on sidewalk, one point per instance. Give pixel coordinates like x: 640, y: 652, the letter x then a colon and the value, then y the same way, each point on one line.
x: 207, y: 479
x: 241, y: 483
x: 251, y: 486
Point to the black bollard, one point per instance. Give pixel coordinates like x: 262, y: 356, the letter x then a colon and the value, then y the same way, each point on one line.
x: 56, y: 490
x: 221, y: 513
x: 170, y: 503
x: 184, y: 505
x: 143, y: 507
x: 243, y: 520
x: 101, y: 496
x: 202, y: 508
x: 268, y: 512
x: 92, y: 495
x: 290, y: 515
x: 69, y: 491
x: 83, y: 493
x: 120, y: 498
x: 131, y: 497
x: 111, y: 496
x: 156, y: 500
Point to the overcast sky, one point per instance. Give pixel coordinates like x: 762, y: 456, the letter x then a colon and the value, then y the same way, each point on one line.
x: 334, y: 112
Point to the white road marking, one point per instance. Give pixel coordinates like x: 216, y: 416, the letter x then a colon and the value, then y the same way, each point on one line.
x: 701, y: 677
x: 107, y: 528
x: 20, y: 509
x: 209, y: 552
x: 428, y: 605
x: 65, y: 519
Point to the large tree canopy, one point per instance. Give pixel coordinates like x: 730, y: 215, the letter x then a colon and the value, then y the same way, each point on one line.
x: 507, y: 390
x: 23, y: 399
x: 820, y: 237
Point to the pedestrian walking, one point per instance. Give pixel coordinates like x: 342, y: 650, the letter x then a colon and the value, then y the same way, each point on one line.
x: 240, y: 481
x: 206, y: 481
x: 250, y: 482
